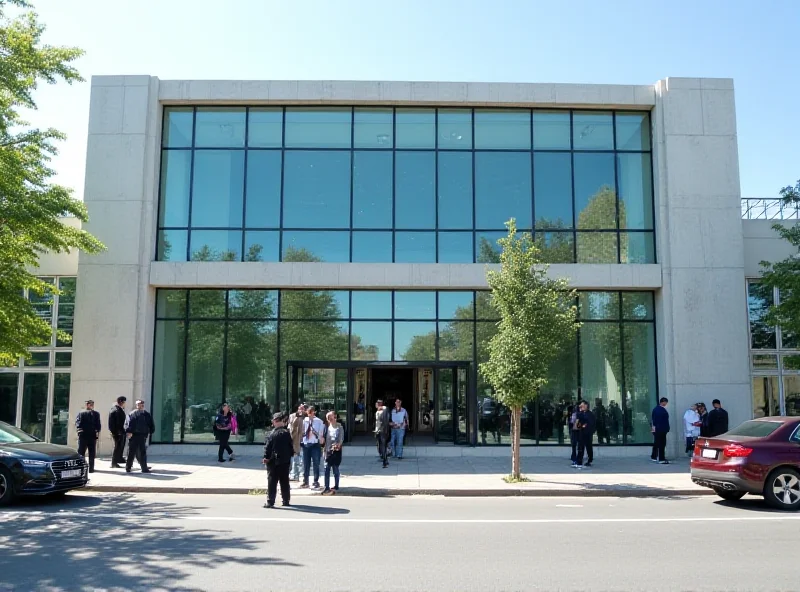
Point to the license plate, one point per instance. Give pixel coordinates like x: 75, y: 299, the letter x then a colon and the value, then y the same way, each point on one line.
x: 71, y: 474
x: 707, y: 453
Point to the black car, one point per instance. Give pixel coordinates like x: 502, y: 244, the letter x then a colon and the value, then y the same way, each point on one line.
x: 29, y: 466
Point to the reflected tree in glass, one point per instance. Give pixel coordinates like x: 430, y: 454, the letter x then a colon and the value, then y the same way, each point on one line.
x: 601, y: 213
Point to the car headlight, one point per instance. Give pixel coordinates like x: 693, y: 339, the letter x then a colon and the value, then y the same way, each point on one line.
x: 34, y: 463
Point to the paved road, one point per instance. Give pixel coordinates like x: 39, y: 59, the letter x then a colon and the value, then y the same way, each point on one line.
x: 229, y: 543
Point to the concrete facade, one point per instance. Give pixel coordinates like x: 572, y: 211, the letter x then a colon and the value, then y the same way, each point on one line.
x: 702, y: 334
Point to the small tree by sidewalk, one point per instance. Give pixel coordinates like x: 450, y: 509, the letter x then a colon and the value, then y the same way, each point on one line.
x: 537, y: 321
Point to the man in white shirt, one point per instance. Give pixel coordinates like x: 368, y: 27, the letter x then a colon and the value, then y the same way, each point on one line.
x: 312, y: 446
x: 399, y: 423
x: 691, y: 427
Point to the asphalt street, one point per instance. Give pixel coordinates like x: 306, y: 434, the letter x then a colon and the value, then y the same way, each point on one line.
x: 230, y: 543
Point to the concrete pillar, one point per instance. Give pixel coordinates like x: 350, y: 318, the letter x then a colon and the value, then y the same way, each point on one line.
x: 702, y: 311
x: 114, y: 302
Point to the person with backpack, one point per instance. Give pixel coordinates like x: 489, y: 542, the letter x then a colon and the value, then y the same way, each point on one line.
x: 223, y: 426
x: 278, y: 452
x: 382, y: 430
x: 334, y: 438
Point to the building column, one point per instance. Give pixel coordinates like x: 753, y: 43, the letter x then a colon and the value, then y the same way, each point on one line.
x: 115, y: 305
x: 702, y: 307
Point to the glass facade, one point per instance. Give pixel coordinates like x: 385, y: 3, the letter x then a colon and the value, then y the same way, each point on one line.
x: 234, y: 345
x: 410, y: 185
x: 34, y: 394
x: 774, y: 358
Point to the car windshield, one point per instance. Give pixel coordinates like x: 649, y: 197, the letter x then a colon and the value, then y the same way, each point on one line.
x: 755, y: 429
x: 11, y: 435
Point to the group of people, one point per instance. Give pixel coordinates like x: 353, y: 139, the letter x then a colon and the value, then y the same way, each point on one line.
x: 134, y: 428
x: 295, y: 445
x: 698, y: 421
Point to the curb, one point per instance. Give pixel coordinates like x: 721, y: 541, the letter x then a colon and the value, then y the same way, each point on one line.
x: 640, y: 493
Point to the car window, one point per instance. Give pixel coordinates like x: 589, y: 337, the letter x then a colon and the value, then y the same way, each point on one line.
x: 796, y: 435
x: 755, y: 429
x: 11, y: 435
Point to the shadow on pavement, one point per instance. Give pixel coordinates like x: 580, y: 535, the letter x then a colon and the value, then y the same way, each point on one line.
x: 321, y: 510
x: 110, y: 543
x: 750, y: 504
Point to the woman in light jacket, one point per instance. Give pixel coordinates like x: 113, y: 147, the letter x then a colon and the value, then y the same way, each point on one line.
x: 334, y: 438
x: 691, y: 427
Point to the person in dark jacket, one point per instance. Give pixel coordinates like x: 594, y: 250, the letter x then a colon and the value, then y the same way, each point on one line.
x: 660, y: 429
x: 717, y: 420
x: 703, y: 411
x: 278, y: 452
x: 382, y: 431
x: 88, y: 425
x: 223, y: 424
x: 138, y: 427
x: 116, y: 425
x: 587, y: 424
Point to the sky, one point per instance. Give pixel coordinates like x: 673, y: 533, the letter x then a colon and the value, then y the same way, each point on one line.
x: 576, y: 41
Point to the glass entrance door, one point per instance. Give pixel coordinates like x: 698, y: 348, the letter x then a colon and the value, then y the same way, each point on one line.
x: 452, y: 419
x: 326, y: 389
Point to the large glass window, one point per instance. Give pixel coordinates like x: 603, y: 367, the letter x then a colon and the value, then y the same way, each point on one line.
x: 368, y: 169
x: 60, y: 408
x: 234, y: 345
x: 34, y: 404
x: 8, y: 397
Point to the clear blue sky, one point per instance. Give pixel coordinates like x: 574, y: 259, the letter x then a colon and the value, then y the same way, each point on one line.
x: 591, y: 41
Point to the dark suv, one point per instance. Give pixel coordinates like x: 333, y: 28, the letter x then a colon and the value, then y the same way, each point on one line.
x: 29, y: 466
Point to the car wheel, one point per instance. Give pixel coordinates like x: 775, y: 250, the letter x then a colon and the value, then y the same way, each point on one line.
x: 782, y: 489
x: 6, y: 487
x: 731, y: 496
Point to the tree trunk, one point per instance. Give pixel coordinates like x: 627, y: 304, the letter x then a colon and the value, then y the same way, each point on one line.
x: 516, y: 428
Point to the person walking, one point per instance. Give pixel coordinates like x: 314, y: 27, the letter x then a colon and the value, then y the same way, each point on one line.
x: 382, y: 430
x: 296, y: 431
x: 138, y: 427
x: 278, y: 453
x: 116, y: 425
x: 587, y: 423
x: 691, y: 427
x: 660, y: 428
x: 334, y: 438
x: 717, y: 420
x: 574, y: 432
x: 88, y: 425
x: 312, y: 451
x: 398, y: 424
x: 223, y: 427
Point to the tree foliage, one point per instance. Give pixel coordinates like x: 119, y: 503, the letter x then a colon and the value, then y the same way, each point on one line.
x: 537, y: 321
x: 30, y: 205
x: 785, y: 275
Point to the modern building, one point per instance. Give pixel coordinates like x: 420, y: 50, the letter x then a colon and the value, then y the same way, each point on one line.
x: 278, y: 241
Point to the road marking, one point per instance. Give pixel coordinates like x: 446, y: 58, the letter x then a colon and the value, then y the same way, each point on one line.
x: 569, y: 505
x: 297, y: 516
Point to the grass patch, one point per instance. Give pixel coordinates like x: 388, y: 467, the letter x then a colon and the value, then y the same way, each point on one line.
x: 512, y: 479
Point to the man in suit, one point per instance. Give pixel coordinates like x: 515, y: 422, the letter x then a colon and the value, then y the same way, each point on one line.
x: 116, y: 425
x: 88, y: 425
x: 278, y: 453
x: 717, y: 420
x: 138, y: 427
x: 660, y: 429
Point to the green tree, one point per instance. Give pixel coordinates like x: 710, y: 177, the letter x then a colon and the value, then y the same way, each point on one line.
x: 31, y: 207
x: 784, y: 275
x: 537, y: 321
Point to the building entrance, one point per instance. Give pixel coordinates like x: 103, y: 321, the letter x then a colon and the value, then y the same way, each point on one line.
x: 435, y: 395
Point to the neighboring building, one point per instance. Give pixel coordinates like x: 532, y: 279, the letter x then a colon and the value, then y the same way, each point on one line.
x: 35, y: 394
x: 270, y: 242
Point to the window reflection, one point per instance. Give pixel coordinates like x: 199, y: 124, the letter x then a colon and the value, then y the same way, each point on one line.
x: 373, y: 128
x: 414, y: 341
x: 415, y: 247
x: 415, y: 197
x: 220, y: 127
x: 592, y: 130
x: 218, y: 188
x: 505, y: 129
x: 553, y: 189
x: 759, y: 299
x: 263, y: 189
x: 372, y: 190
x: 372, y: 247
x: 175, y: 177
x: 415, y: 128
x: 316, y: 191
x: 178, y: 122
x: 313, y: 127
x: 633, y: 131
x: 455, y: 129
x: 216, y: 245
x: 455, y: 247
x: 502, y: 189
x: 455, y: 190
x: 265, y: 128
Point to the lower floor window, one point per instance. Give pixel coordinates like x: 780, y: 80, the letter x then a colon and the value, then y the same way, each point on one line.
x: 235, y: 346
x: 37, y: 402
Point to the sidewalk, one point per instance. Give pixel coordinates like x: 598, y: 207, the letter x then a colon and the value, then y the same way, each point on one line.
x: 362, y: 474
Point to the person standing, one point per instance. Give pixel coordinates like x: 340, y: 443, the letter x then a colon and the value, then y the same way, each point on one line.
x: 116, y: 425
x: 138, y: 427
x: 278, y: 453
x: 717, y: 420
x: 312, y: 441
x: 574, y: 432
x: 587, y: 424
x: 334, y: 438
x: 223, y: 426
x: 382, y: 430
x: 660, y: 429
x: 703, y: 411
x: 399, y: 424
x: 296, y: 431
x: 691, y: 427
x: 88, y: 425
